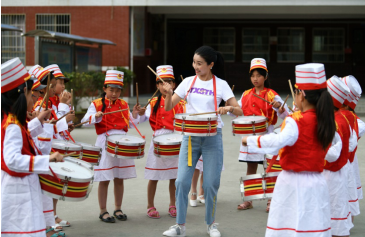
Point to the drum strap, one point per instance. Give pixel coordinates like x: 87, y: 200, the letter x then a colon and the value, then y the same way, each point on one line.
x: 190, y: 148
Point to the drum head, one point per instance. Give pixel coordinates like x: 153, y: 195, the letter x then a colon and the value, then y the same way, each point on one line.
x: 248, y: 119
x: 204, y: 117
x: 126, y: 140
x: 168, y: 139
x: 88, y: 146
x: 61, y: 144
x: 77, y: 169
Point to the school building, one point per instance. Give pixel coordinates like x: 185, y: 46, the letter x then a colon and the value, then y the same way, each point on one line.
x: 145, y: 32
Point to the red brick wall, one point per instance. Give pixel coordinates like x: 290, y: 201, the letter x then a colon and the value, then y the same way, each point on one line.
x: 111, y: 23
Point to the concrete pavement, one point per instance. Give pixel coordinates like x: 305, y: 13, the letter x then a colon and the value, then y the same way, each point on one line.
x: 251, y: 223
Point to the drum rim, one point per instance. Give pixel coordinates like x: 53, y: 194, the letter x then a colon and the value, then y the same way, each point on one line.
x: 123, y: 143
x: 252, y: 176
x: 236, y: 120
x: 195, y: 118
x: 196, y: 134
x: 126, y: 157
x: 250, y: 134
x: 76, y: 147
x: 165, y: 143
x: 89, y: 146
x: 83, y: 163
x: 257, y: 196
x: 55, y: 196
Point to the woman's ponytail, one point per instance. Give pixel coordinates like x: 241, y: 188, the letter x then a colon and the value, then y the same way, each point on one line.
x: 326, y: 127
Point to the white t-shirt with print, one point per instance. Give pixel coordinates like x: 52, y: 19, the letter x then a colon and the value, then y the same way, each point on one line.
x: 201, y: 95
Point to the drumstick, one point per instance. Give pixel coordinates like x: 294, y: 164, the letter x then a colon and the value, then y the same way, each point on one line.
x: 63, y: 116
x: 181, y: 78
x: 290, y: 109
x: 155, y: 73
x: 151, y: 98
x: 70, y: 154
x: 81, y: 123
x: 203, y: 113
x: 291, y: 89
x: 137, y: 92
x: 44, y: 98
x: 121, y: 110
x: 282, y: 106
x: 262, y: 98
x: 48, y: 87
x: 72, y: 99
x: 232, y: 91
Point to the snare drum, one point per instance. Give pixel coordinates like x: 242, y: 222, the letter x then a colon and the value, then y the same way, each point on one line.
x: 167, y: 145
x: 74, y: 181
x: 258, y: 186
x: 199, y: 125
x: 125, y: 147
x: 249, y: 125
x: 90, y: 153
x: 66, y: 147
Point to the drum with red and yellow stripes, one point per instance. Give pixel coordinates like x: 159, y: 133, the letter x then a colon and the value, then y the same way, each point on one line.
x: 125, y: 146
x: 167, y: 145
x: 249, y: 125
x: 196, y: 125
x: 70, y: 180
x: 66, y: 147
x: 258, y: 186
x: 90, y: 153
x: 276, y: 167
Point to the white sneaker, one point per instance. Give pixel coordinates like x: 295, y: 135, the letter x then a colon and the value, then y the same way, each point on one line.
x: 213, y: 231
x: 193, y: 203
x: 175, y: 230
x: 201, y: 199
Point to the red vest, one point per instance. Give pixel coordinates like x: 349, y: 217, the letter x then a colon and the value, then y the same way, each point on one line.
x: 163, y: 118
x: 55, y: 100
x: 118, y: 121
x: 27, y: 149
x: 352, y: 121
x: 307, y: 153
x: 252, y: 105
x: 344, y: 131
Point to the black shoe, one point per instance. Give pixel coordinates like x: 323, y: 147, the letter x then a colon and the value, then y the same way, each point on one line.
x: 122, y: 217
x: 110, y: 219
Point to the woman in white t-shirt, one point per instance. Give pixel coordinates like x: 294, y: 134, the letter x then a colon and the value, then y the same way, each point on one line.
x: 204, y: 92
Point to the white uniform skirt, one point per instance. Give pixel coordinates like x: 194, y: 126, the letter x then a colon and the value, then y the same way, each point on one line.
x: 109, y: 167
x: 352, y: 191
x: 160, y: 168
x: 300, y: 206
x: 355, y: 166
x: 21, y: 206
x: 341, y: 222
x: 48, y: 210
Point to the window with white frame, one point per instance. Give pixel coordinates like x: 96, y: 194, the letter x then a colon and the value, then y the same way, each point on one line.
x: 221, y: 39
x: 54, y: 22
x: 328, y: 45
x: 255, y: 44
x: 290, y: 47
x: 12, y: 43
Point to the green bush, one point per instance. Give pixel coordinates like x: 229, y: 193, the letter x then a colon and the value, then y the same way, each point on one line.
x: 90, y: 84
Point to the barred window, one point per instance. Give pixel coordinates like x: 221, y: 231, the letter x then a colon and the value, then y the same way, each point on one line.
x: 290, y: 45
x: 255, y: 44
x: 12, y: 43
x: 54, y: 22
x: 221, y: 39
x: 328, y: 45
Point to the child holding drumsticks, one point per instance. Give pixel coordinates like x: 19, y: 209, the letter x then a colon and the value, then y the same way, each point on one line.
x: 111, y: 168
x: 162, y: 122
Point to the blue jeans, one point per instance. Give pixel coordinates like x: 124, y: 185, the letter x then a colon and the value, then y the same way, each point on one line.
x: 211, y: 148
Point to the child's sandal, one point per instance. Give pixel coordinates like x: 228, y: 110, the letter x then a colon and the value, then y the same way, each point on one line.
x: 245, y: 205
x: 268, y: 205
x: 153, y: 213
x: 172, y: 211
